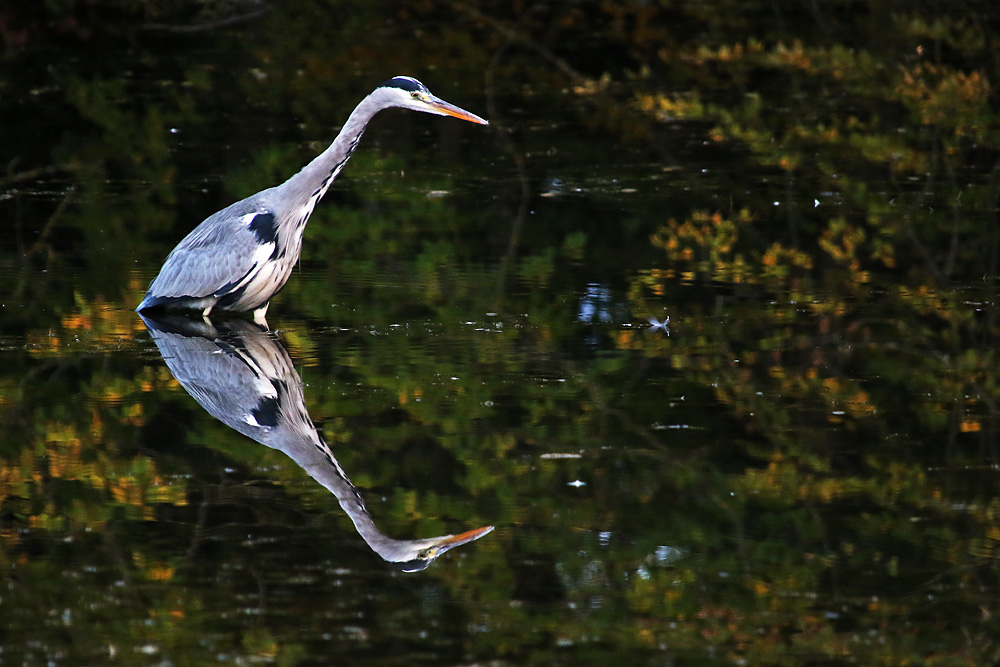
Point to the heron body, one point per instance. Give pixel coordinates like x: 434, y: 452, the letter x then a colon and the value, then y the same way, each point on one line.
x: 240, y: 257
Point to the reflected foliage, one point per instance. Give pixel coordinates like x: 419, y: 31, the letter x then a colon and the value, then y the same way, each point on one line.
x: 802, y: 471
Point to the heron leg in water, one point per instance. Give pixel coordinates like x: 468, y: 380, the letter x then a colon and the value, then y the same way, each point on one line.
x: 258, y: 315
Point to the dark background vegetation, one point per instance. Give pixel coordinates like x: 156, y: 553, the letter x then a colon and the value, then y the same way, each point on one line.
x: 804, y: 471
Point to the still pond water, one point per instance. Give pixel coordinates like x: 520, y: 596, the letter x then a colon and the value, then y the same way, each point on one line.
x: 620, y: 326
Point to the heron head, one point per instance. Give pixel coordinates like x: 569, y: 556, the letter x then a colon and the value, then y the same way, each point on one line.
x: 416, y: 555
x: 408, y: 93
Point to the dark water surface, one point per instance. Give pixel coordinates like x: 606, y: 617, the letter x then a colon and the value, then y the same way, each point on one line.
x: 703, y: 324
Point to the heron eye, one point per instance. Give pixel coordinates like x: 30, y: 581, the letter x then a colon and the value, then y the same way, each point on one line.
x: 415, y: 95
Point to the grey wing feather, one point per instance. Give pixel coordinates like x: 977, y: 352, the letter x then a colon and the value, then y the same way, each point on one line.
x: 217, y: 253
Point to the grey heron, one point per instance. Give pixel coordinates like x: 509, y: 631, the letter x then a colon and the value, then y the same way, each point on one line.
x: 244, y: 378
x: 238, y: 258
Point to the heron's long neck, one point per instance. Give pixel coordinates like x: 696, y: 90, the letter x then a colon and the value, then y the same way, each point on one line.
x: 309, y: 185
x: 318, y: 461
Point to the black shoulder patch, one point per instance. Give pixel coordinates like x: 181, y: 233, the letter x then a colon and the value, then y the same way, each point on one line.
x: 267, y: 412
x: 406, y: 83
x: 264, y: 227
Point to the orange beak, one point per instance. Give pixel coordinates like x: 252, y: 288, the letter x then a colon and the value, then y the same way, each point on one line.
x: 447, y: 109
x: 464, y: 538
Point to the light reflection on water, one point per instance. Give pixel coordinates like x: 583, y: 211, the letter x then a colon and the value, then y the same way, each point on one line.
x: 579, y: 444
x: 563, y: 483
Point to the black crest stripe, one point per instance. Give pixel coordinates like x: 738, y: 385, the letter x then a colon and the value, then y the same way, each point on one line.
x: 404, y: 83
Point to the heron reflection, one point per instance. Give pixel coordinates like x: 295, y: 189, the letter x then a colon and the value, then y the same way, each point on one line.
x: 243, y: 377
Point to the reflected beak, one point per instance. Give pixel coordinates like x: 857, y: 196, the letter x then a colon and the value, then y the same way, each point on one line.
x: 417, y: 555
x: 447, y: 109
x: 469, y: 535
